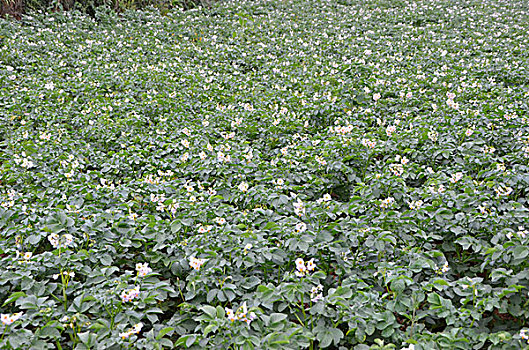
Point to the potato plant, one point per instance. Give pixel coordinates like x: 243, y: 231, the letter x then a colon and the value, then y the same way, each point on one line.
x: 294, y: 174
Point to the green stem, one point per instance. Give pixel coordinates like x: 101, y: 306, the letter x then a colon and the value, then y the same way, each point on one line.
x: 292, y: 311
x: 4, y: 333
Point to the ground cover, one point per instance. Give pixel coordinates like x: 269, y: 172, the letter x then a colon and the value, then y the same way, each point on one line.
x: 268, y: 175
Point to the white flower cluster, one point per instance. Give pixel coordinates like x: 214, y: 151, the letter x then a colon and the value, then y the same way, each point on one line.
x: 397, y: 169
x: 341, y: 129
x: 130, y: 294
x: 248, y: 155
x: 143, y: 269
x: 204, y: 229
x: 196, y: 263
x: 69, y: 274
x: 488, y: 149
x: 134, y: 330
x: 316, y: 293
x: 299, y: 208
x: 304, y: 268
x: 9, y: 319
x: 57, y: 241
x: 450, y: 101
x: 522, y: 233
x: 368, y: 143
x: 326, y: 198
x: 301, y: 227
x: 524, y: 334
x: 241, y: 314
x: 503, y: 191
x: 11, y: 196
x: 152, y: 179
x: 23, y: 161
x: 390, y: 130
x: 444, y: 269
x: 278, y: 183
x: 243, y: 186
x: 72, y: 163
x: 386, y: 203
x: 320, y: 160
x: 220, y: 221
x: 433, y: 135
x: 456, y: 177
x: 414, y: 205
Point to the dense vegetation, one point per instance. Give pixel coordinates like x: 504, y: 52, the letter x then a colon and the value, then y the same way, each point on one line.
x: 268, y: 175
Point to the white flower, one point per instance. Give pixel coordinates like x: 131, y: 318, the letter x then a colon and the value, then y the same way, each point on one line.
x: 134, y: 330
x: 143, y: 269
x: 247, y: 247
x: 311, y: 265
x: 503, y: 191
x: 68, y: 239
x: 184, y: 157
x: 368, y: 143
x: 129, y: 295
x: 299, y: 208
x: 414, y: 205
x: 196, y: 263
x: 386, y: 203
x: 243, y: 186
x: 230, y: 314
x: 396, y: 169
x: 50, y: 85
x: 433, y: 135
x: 445, y: 268
x: 488, y: 149
x: 456, y: 177
x: 302, y: 269
x: 320, y: 160
x: 300, y: 266
x: 220, y: 221
x: 315, y: 293
x: 483, y: 209
x: 9, y: 319
x: 54, y: 239
x: 301, y: 227
x: 390, y: 130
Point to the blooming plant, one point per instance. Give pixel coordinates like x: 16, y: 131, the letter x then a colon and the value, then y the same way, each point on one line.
x: 294, y: 174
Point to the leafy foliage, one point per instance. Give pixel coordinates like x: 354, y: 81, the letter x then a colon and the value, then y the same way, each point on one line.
x: 266, y: 175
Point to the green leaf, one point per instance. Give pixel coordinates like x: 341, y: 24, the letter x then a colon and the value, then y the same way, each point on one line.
x: 13, y: 297
x: 209, y: 310
x: 163, y: 332
x: 186, y: 340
